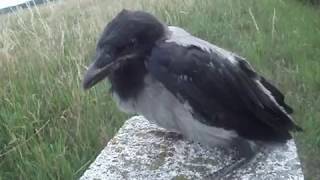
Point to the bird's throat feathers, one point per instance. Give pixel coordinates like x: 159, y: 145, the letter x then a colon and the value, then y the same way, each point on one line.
x: 127, y: 80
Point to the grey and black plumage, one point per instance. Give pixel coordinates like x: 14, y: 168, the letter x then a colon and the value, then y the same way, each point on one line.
x: 186, y: 84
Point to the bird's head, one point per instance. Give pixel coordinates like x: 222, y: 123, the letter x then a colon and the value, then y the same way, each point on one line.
x: 130, y: 36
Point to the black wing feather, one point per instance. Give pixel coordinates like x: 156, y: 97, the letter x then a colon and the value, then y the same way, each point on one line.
x: 279, y: 97
x: 221, y: 94
x: 277, y: 94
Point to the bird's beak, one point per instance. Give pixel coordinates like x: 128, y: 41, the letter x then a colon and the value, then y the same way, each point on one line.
x: 103, y: 65
x: 98, y: 70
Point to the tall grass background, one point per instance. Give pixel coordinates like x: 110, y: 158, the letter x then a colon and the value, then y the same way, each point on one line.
x: 51, y: 129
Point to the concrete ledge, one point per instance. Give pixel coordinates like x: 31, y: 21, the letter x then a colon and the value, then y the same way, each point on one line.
x: 142, y: 150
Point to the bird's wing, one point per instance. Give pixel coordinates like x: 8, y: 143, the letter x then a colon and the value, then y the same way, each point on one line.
x: 276, y: 94
x: 222, y: 92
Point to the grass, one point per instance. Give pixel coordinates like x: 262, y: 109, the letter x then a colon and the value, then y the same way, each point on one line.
x: 51, y: 129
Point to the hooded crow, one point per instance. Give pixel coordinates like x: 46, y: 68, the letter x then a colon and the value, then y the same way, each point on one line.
x: 188, y: 85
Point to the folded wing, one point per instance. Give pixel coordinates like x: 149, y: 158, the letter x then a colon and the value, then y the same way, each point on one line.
x: 222, y: 92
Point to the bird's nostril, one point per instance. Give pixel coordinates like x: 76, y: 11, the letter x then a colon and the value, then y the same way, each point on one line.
x: 106, y: 58
x: 103, y: 60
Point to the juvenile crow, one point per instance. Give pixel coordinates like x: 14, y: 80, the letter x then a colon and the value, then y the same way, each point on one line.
x: 185, y: 84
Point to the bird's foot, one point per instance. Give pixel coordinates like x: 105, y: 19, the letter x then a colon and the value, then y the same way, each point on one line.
x: 170, y: 135
x: 246, y: 154
x: 228, y: 171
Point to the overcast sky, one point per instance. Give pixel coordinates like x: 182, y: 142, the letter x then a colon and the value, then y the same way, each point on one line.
x: 7, y: 3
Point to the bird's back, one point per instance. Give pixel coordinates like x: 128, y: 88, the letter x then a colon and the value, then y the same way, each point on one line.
x: 221, y: 88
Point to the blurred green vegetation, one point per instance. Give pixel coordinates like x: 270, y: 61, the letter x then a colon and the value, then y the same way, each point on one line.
x: 51, y: 129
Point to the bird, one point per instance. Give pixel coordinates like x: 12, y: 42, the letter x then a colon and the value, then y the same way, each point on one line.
x: 188, y: 85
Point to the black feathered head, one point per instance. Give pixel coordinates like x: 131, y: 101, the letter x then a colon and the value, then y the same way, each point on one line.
x: 130, y: 36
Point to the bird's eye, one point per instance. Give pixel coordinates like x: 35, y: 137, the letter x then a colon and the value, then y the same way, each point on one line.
x: 132, y: 42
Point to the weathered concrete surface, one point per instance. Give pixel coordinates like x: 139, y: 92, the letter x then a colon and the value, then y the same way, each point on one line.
x: 142, y: 150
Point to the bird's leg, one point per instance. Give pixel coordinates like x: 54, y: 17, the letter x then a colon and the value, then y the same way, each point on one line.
x: 172, y: 135
x: 246, y: 153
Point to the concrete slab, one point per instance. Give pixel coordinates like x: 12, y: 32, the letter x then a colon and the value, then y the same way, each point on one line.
x: 142, y: 150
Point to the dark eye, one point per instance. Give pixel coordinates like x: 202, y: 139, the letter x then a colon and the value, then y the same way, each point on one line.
x: 129, y: 45
x: 132, y: 43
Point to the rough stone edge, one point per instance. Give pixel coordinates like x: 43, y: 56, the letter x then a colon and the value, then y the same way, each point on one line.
x: 138, y: 123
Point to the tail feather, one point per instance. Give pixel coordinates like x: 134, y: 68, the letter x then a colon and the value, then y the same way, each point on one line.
x: 277, y: 95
